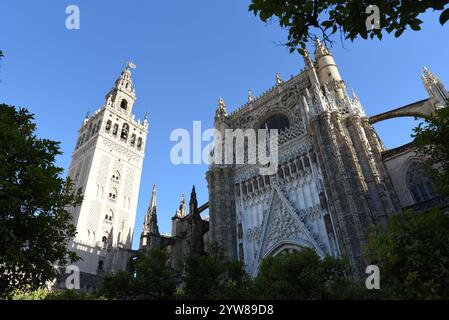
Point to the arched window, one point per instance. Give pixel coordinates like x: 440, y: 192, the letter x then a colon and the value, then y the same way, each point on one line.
x: 133, y: 139
x: 419, y: 183
x: 113, y: 194
x: 115, y: 129
x: 109, y: 216
x: 108, y: 125
x: 124, y: 104
x: 116, y: 176
x: 139, y: 143
x: 104, y: 239
x: 125, y: 131
x: 277, y: 121
x: 100, y: 265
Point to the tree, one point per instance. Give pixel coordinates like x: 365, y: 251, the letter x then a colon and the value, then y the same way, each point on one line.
x: 45, y: 294
x: 34, y: 220
x: 303, y: 17
x: 153, y: 279
x: 304, y: 275
x: 431, y: 140
x: 120, y: 285
x: 412, y: 253
x: 212, y: 276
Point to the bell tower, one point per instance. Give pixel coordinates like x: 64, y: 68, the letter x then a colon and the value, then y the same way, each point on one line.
x: 107, y: 166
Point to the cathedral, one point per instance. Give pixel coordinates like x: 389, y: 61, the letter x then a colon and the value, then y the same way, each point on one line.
x: 335, y: 177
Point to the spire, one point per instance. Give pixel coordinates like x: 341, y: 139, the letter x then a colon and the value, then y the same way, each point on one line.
x: 181, y: 211
x: 435, y: 87
x: 308, y: 63
x: 278, y: 79
x: 221, y: 112
x: 153, y: 197
x: 356, y: 105
x: 193, y: 204
x: 250, y: 96
x: 150, y: 224
x: 320, y: 49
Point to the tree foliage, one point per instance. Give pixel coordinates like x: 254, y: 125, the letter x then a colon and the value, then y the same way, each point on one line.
x: 412, y: 253
x: 154, y: 279
x: 305, y: 19
x: 34, y: 220
x: 431, y: 140
x: 45, y: 294
x: 304, y: 275
x: 213, y: 276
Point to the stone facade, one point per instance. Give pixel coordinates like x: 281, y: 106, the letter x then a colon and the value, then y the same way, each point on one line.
x: 333, y: 179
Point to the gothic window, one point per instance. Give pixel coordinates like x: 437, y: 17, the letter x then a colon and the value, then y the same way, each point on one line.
x: 306, y: 161
x: 116, y: 176
x: 124, y: 104
x: 113, y: 194
x: 329, y: 227
x: 419, y: 183
x: 277, y: 121
x: 323, y: 200
x: 133, y: 139
x: 139, y: 143
x: 108, y: 125
x: 115, y: 129
x: 104, y: 239
x: 109, y: 216
x: 125, y: 131
x: 240, y: 231
x: 100, y: 265
x: 241, y: 252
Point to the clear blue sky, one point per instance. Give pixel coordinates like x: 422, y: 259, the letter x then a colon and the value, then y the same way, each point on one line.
x: 188, y: 53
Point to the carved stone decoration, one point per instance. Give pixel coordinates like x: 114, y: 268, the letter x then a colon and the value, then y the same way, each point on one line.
x: 282, y: 223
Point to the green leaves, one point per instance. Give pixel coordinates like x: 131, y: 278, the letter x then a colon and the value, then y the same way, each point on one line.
x: 34, y: 222
x: 412, y: 252
x: 304, y: 275
x: 305, y: 19
x: 444, y: 17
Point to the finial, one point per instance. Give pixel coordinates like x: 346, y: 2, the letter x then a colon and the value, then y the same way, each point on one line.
x: 221, y: 103
x: 320, y: 49
x: 307, y: 59
x: 153, y: 198
x: 278, y: 79
x: 250, y: 96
